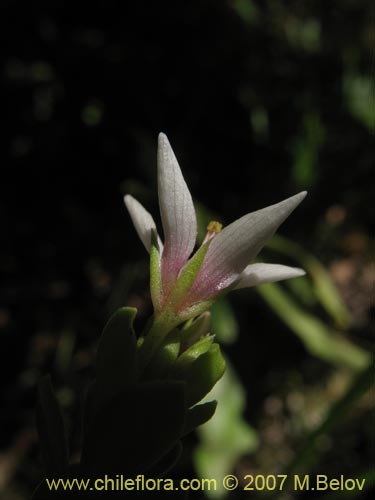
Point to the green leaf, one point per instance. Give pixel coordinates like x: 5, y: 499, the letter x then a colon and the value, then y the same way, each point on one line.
x: 116, y: 361
x: 185, y: 360
x: 51, y: 430
x: 164, y: 358
x: 322, y: 284
x: 202, y: 374
x: 318, y: 338
x: 199, y: 415
x: 306, y: 148
x: 327, y: 294
x: 135, y: 429
x: 359, y: 92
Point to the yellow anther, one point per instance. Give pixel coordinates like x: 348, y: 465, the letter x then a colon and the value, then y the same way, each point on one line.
x: 214, y: 227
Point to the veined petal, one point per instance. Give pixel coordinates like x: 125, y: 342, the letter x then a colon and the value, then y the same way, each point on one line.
x: 177, y: 213
x: 237, y: 244
x: 142, y: 220
x: 257, y: 274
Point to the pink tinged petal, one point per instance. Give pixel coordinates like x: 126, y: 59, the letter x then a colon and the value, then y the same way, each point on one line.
x: 257, y: 274
x: 143, y: 222
x: 237, y: 244
x: 177, y: 213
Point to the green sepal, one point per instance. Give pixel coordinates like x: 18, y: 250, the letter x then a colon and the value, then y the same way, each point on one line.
x: 51, y: 431
x: 135, y: 429
x: 187, y: 276
x: 199, y: 415
x: 202, y: 374
x: 164, y: 358
x: 116, y: 359
x: 195, y: 310
x: 194, y: 329
x: 155, y: 271
x: 192, y: 353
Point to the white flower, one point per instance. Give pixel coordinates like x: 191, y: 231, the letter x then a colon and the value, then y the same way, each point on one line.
x: 222, y: 262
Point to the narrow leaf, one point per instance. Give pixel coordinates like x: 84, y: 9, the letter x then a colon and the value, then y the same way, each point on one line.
x: 323, y: 286
x: 318, y: 338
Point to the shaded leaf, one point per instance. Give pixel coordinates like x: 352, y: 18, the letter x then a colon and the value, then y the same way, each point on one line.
x: 116, y: 360
x: 164, y: 358
x: 135, y: 429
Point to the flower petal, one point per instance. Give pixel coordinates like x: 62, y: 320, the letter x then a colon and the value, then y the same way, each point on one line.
x: 177, y: 212
x: 257, y: 274
x: 142, y: 220
x: 240, y: 242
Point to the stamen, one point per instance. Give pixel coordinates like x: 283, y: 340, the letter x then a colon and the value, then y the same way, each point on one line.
x: 213, y: 228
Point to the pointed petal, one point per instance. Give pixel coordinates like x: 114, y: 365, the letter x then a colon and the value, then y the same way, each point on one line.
x: 257, y: 274
x: 177, y: 212
x: 239, y: 243
x: 142, y: 220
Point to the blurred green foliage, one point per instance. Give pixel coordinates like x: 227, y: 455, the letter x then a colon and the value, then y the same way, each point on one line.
x: 227, y: 436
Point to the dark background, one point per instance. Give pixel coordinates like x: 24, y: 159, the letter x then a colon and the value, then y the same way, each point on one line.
x: 259, y: 100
